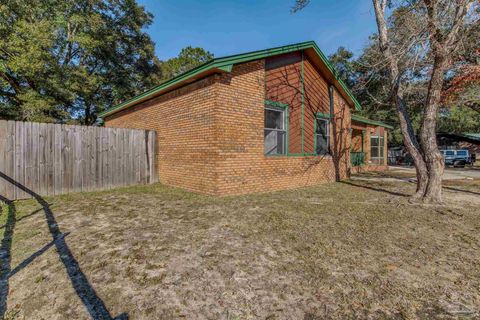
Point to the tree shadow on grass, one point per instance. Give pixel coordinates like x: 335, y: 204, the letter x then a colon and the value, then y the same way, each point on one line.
x: 376, y: 188
x: 23, y: 217
x: 462, y: 190
x: 5, y: 254
x: 92, y: 302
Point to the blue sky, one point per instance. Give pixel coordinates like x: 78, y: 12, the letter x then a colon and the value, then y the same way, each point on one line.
x: 230, y: 27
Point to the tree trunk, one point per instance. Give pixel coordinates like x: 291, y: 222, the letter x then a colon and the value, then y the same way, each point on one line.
x: 433, y: 157
x: 411, y: 144
x: 87, y: 120
x: 409, y: 140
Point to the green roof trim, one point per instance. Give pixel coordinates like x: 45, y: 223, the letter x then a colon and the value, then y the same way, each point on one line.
x: 472, y: 135
x: 372, y: 122
x: 276, y: 104
x: 225, y: 64
x: 322, y: 115
x: 227, y: 68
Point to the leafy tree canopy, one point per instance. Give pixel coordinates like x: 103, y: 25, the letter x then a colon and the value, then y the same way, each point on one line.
x: 367, y: 77
x: 67, y: 60
x: 188, y: 58
x: 63, y: 58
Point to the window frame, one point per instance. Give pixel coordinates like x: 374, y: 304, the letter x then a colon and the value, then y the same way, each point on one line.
x: 380, y: 147
x: 326, y: 118
x: 277, y: 106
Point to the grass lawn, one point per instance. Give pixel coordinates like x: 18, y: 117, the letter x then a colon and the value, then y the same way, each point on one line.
x: 350, y: 250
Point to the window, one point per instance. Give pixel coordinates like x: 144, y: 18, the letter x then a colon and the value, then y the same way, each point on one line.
x: 275, y: 132
x: 377, y: 144
x: 462, y: 153
x: 322, y: 137
x: 450, y: 153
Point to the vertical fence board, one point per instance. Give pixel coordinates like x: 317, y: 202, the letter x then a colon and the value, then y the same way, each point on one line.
x: 28, y: 154
x: 10, y: 159
x: 104, y: 165
x: 85, y: 137
x: 3, y: 156
x: 131, y: 157
x: 19, y: 174
x: 152, y: 138
x: 98, y: 159
x: 66, y: 155
x: 57, y: 160
x: 121, y: 163
x: 35, y: 161
x: 41, y: 159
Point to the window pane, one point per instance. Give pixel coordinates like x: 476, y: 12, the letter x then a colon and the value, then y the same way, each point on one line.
x: 322, y: 127
x: 374, y: 152
x: 322, y: 145
x: 274, y: 119
x: 450, y: 153
x: 274, y: 141
x: 322, y: 137
x: 461, y: 153
x: 374, y: 141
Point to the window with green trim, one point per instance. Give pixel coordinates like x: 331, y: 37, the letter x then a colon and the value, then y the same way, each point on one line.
x: 322, y: 138
x: 377, y: 144
x: 275, y: 129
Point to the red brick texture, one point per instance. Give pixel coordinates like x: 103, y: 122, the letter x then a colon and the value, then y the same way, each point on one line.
x: 243, y: 168
x: 368, y: 130
x: 211, y: 134
x: 185, y: 123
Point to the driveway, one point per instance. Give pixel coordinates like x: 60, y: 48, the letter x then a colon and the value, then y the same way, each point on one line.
x: 450, y: 173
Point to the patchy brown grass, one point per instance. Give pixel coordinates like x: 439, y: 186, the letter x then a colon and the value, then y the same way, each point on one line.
x: 352, y: 250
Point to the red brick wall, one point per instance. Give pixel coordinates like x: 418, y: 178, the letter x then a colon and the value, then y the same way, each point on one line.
x: 283, y: 84
x: 341, y: 136
x: 210, y: 136
x: 245, y: 168
x: 357, y: 141
x: 369, y: 131
x: 184, y: 120
x: 316, y: 100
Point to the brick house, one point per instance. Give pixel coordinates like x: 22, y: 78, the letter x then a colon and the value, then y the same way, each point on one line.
x: 256, y: 122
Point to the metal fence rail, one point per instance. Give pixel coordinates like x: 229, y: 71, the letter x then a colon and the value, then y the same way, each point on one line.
x: 357, y: 158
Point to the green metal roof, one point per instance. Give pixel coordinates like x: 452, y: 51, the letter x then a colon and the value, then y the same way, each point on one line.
x: 225, y: 64
x: 473, y: 135
x: 372, y: 122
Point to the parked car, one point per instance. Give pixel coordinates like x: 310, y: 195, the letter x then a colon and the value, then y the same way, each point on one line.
x: 457, y: 158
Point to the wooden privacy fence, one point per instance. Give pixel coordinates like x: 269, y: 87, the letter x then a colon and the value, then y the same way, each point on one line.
x: 51, y: 159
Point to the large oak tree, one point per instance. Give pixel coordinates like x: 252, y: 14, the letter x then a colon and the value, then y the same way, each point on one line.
x: 419, y: 42
x: 64, y: 59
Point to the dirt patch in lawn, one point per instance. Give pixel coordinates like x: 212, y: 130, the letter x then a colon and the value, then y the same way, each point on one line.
x: 355, y: 249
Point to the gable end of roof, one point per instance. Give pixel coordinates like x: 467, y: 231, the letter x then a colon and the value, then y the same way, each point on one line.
x: 225, y: 64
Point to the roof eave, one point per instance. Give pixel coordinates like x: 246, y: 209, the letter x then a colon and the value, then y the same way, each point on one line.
x: 371, y: 122
x: 186, y: 78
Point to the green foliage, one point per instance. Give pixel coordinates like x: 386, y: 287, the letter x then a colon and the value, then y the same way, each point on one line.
x: 188, y: 59
x: 66, y: 58
x: 299, y: 5
x: 459, y: 119
x: 343, y: 63
x: 367, y: 76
